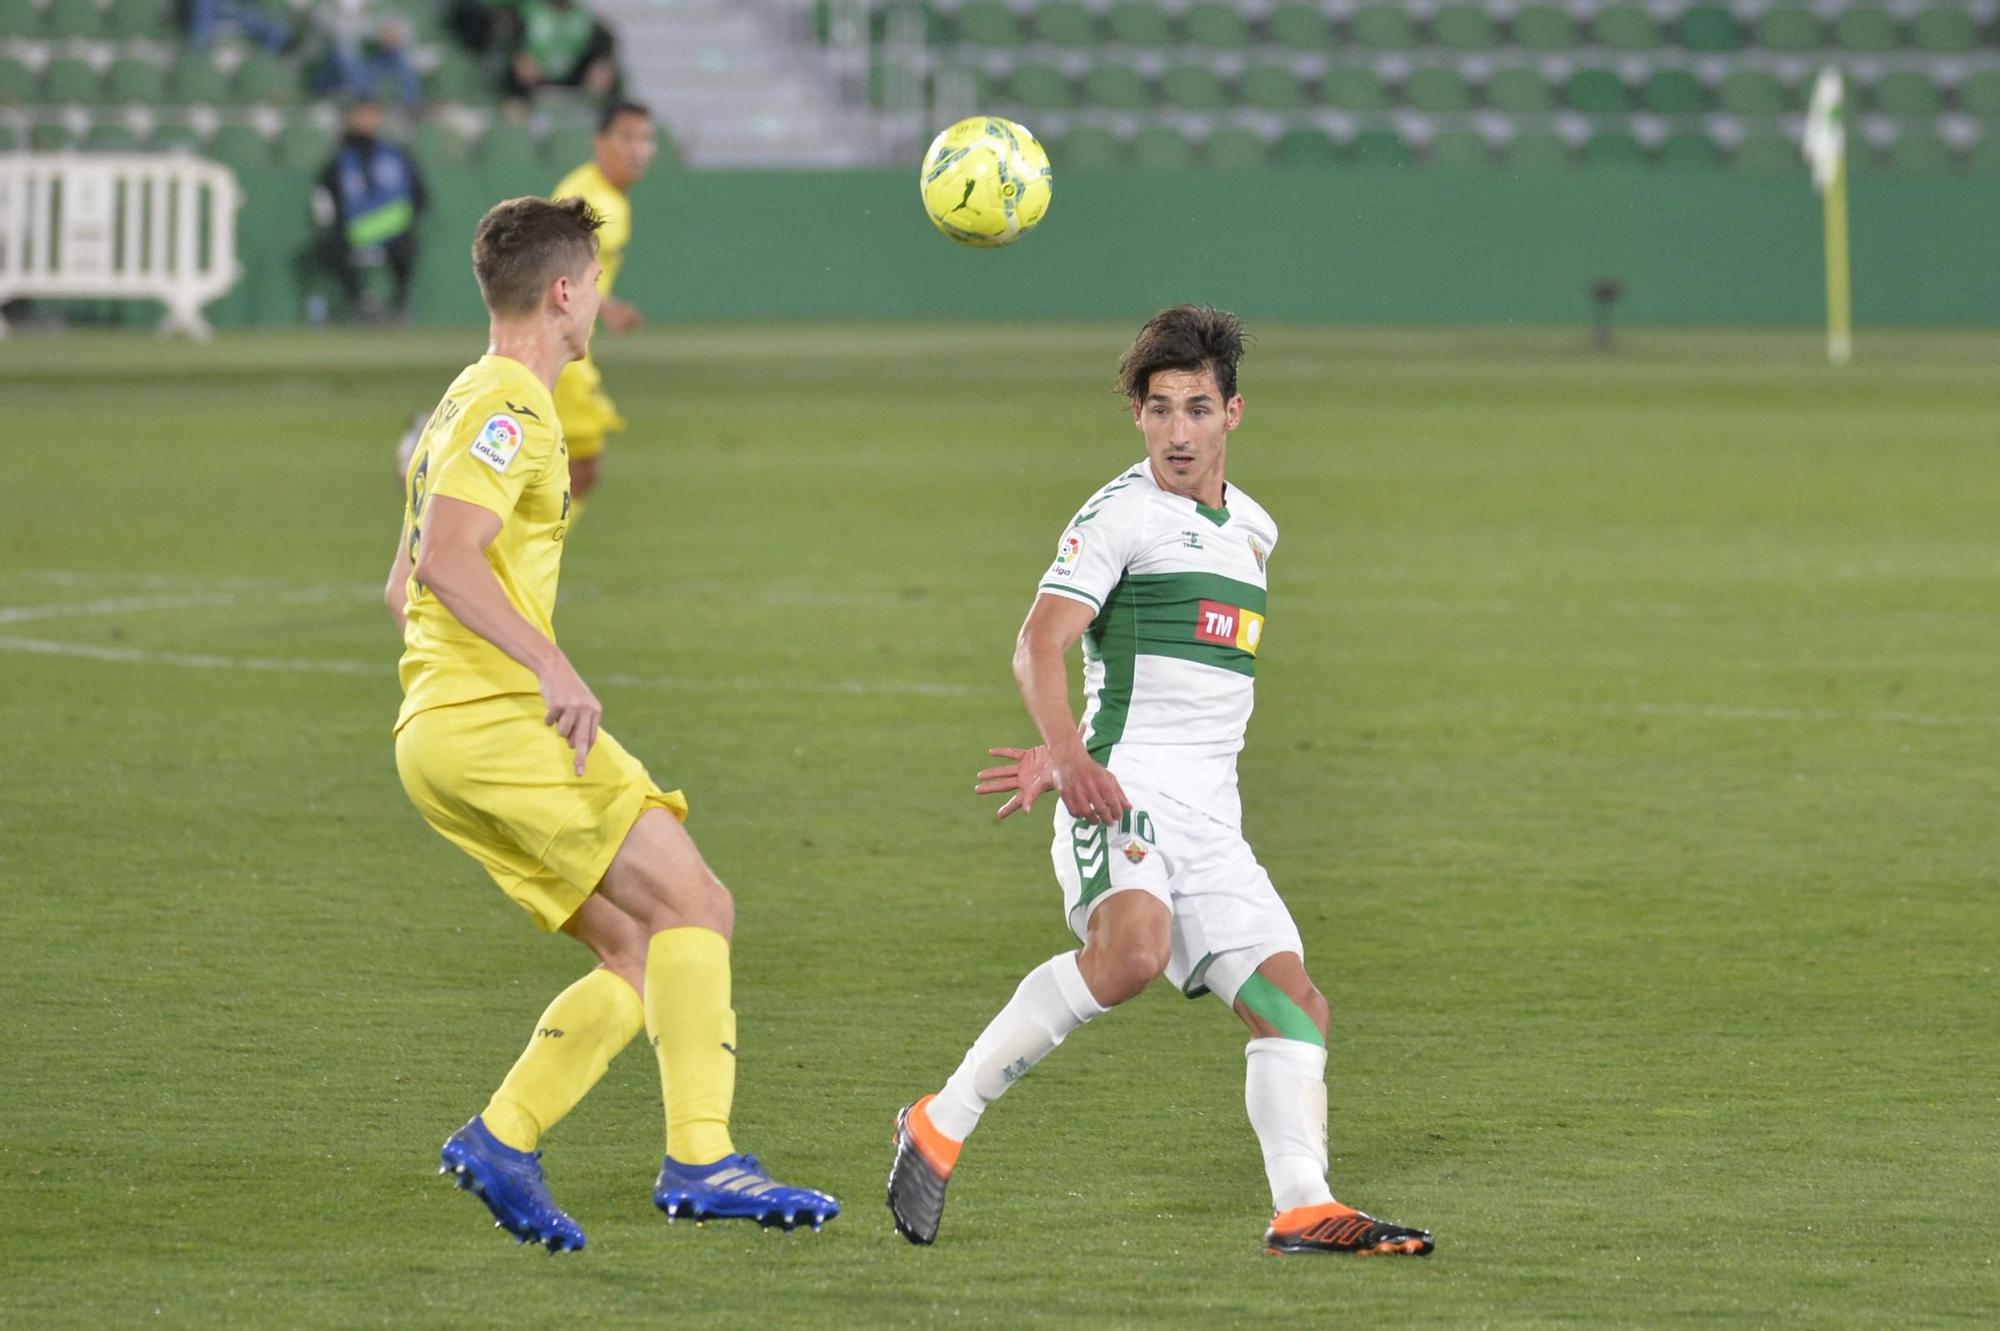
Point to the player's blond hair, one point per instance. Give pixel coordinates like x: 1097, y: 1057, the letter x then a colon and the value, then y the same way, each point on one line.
x: 522, y: 245
x: 1183, y: 337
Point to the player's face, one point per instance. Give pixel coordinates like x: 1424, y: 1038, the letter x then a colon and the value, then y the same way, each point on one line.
x: 1187, y: 421
x: 625, y: 150
x: 582, y: 314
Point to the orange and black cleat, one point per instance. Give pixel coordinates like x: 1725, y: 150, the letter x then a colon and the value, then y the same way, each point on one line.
x: 924, y: 1160
x: 1331, y: 1227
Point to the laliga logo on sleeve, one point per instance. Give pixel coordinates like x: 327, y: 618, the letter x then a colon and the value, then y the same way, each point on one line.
x: 1068, y: 553
x: 499, y: 440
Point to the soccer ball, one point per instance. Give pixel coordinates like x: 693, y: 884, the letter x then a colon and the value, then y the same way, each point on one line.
x: 985, y: 182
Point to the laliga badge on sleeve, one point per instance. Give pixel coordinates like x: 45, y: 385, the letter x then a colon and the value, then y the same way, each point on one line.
x: 499, y: 440
x: 1068, y: 553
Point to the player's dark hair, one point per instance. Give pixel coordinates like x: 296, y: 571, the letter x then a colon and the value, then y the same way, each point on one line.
x: 614, y: 109
x: 522, y: 245
x: 1183, y: 337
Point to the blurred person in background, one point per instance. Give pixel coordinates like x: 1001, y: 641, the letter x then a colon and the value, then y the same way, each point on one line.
x: 203, y: 19
x: 366, y: 205
x: 367, y: 53
x: 558, y: 43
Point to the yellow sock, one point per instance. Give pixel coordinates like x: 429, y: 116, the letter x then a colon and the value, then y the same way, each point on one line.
x: 576, y: 1039
x: 694, y: 1033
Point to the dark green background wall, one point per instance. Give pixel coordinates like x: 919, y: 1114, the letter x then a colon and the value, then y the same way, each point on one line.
x: 1352, y: 245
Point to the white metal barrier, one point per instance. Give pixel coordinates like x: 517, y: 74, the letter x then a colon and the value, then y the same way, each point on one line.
x: 119, y: 226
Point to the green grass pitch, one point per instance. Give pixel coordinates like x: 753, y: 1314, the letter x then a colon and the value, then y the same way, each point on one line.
x: 1625, y: 747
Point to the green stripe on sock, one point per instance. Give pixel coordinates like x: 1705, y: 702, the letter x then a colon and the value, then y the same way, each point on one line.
x: 1277, y: 1010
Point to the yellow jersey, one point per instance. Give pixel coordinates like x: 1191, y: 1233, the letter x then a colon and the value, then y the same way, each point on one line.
x: 589, y: 184
x: 493, y: 441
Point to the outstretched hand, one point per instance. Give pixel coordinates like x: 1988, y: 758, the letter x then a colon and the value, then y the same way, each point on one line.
x: 1025, y: 780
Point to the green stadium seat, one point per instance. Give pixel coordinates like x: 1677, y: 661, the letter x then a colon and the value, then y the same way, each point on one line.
x: 1041, y: 88
x: 145, y: 20
x: 1437, y: 90
x: 1234, y: 148
x: 1979, y: 95
x: 1304, y: 148
x: 459, y: 77
x: 1752, y: 92
x: 9, y: 140
x: 1382, y: 28
x: 1378, y: 147
x: 1136, y: 23
x: 303, y: 146
x: 130, y: 80
x: 1985, y: 155
x: 17, y: 82
x: 238, y: 146
x: 264, y: 79
x: 1922, y: 155
x: 1907, y: 92
x: 1767, y: 154
x: 1462, y: 27
x: 69, y: 79
x: 1520, y: 92
x: 507, y: 147
x: 1458, y: 150
x: 1688, y: 151
x: 1067, y: 24
x: 1866, y: 29
x: 1535, y: 152
x: 438, y: 145
x: 930, y: 23
x: 569, y: 146
x: 48, y: 138
x: 1088, y: 148
x: 1116, y: 88
x: 75, y: 19
x: 1354, y: 88
x: 175, y: 138
x: 988, y: 23
x: 1545, y: 28
x: 1624, y: 28
x: 194, y: 79
x: 21, y: 18
x: 1944, y: 30
x: 1790, y: 28
x: 1218, y: 26
x: 1709, y: 28
x: 1614, y: 148
x: 1300, y: 27
x: 108, y: 136
x: 1673, y: 92
x: 1161, y: 148
x: 1193, y: 88
x: 1597, y: 92
x: 1272, y: 88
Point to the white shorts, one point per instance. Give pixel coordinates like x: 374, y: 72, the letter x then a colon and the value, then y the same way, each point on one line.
x: 1201, y: 869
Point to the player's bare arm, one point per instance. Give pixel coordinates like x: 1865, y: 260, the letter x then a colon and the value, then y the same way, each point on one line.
x: 451, y: 561
x: 1054, y: 625
x: 620, y: 316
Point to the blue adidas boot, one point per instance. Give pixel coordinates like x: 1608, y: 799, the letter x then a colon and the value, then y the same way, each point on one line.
x: 737, y: 1188
x: 510, y: 1183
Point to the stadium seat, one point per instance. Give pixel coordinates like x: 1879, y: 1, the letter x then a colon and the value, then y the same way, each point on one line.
x: 1614, y: 148
x: 438, y: 145
x: 108, y: 136
x: 175, y: 138
x: 1382, y: 27
x: 1674, y: 92
x: 75, y: 20
x: 1041, y: 88
x: 1354, y: 88
x: 48, y: 137
x: 1215, y: 25
x: 1944, y: 30
x: 1979, y: 95
x: 568, y: 146
x: 1752, y: 92
x: 194, y: 79
x: 1545, y: 28
x: 148, y: 20
x: 1520, y: 92
x: 1138, y: 23
x: 506, y: 147
x: 1708, y: 28
x: 1767, y: 154
x: 130, y: 80
x: 1304, y: 148
x: 1866, y: 29
x: 1234, y: 148
x: 1378, y: 147
x: 266, y: 80
x: 1193, y: 88
x: 1624, y: 28
x: 988, y: 23
x: 1067, y: 24
x: 1985, y: 155
x: 1789, y: 28
x: 238, y: 146
x: 1681, y: 152
x: 303, y: 146
x: 1597, y: 92
x: 9, y: 140
x: 69, y: 79
x: 1116, y: 88
x: 1300, y: 27
x: 21, y: 18
x: 1921, y: 154
x: 1161, y: 148
x: 1462, y: 27
x: 1437, y: 90
x: 1535, y: 151
x: 1906, y: 92
x: 458, y: 77
x: 17, y: 82
x: 1459, y: 150
x: 1089, y: 148
x: 1272, y: 88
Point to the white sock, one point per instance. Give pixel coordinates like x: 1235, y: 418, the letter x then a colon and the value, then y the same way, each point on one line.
x: 1051, y: 1002
x: 1284, y: 1088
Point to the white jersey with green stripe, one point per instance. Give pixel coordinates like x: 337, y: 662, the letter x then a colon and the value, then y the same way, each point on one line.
x: 1170, y: 661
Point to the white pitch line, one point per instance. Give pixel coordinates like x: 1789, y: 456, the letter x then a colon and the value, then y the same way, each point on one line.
x: 1729, y: 712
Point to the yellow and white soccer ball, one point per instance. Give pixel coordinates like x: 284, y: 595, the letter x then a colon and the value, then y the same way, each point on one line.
x: 985, y: 182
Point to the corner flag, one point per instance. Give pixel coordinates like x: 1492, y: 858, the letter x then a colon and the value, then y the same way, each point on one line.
x: 1825, y: 149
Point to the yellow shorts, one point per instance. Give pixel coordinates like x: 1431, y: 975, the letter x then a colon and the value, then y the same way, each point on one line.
x: 586, y: 413
x: 492, y: 779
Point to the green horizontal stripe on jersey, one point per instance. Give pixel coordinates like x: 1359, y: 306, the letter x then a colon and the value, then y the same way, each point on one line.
x: 1154, y: 614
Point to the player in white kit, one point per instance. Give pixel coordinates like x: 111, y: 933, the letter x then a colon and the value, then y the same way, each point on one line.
x: 1161, y: 577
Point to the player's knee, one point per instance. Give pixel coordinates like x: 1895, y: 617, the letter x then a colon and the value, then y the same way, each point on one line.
x: 1313, y: 1003
x: 1121, y: 970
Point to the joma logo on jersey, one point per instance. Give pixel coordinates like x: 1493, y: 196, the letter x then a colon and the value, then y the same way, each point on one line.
x: 1228, y: 626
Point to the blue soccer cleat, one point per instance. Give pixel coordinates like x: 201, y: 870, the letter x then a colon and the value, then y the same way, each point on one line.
x: 510, y: 1183
x: 737, y: 1188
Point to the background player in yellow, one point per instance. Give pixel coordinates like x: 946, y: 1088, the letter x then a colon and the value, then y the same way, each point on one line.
x: 498, y: 745
x: 622, y: 152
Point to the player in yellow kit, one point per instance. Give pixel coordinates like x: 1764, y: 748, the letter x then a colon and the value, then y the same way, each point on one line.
x: 621, y: 153
x: 498, y: 745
